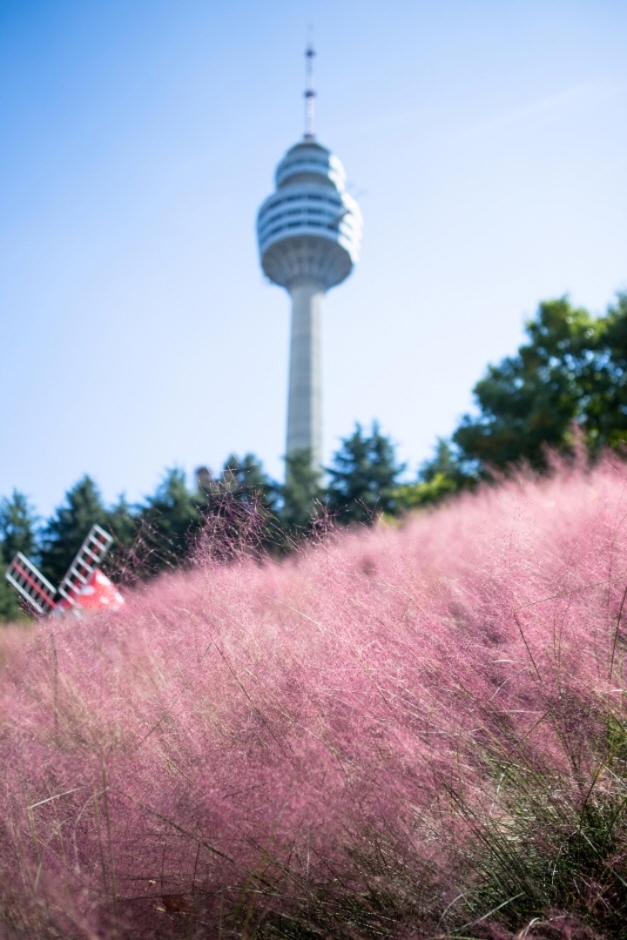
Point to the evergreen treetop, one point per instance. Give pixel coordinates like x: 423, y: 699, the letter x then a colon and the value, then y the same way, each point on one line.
x: 363, y: 477
x: 71, y: 522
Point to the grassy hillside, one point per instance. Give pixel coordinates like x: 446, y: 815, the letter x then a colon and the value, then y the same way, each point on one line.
x: 406, y: 732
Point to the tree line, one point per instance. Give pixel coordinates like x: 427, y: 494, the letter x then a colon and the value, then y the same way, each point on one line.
x: 238, y: 509
x: 566, y: 383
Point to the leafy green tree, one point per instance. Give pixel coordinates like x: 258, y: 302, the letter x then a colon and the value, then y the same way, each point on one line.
x: 604, y: 409
x: 302, y: 494
x: 423, y: 493
x: 64, y: 532
x: 445, y: 464
x: 437, y: 478
x: 363, y: 477
x: 572, y: 370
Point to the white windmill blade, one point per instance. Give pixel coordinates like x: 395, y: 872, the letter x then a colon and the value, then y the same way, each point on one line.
x: 88, y: 557
x: 30, y: 583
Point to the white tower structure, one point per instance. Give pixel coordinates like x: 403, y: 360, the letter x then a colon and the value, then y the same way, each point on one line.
x: 309, y: 233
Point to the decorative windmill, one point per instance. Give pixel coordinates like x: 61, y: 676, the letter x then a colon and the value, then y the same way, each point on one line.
x: 84, y: 587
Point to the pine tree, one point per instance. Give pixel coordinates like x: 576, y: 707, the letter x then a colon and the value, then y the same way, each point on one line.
x: 302, y: 494
x: 17, y: 534
x: 65, y: 531
x: 167, y: 525
x: 363, y: 477
x: 245, y: 480
x: 238, y: 508
x: 17, y: 525
x: 122, y: 522
x: 9, y: 604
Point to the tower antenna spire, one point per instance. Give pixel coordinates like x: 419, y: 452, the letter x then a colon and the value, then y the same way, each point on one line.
x: 310, y: 94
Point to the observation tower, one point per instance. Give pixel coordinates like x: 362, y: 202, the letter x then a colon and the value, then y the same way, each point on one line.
x: 309, y: 233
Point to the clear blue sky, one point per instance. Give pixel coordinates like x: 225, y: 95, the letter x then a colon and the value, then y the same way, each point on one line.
x: 486, y: 142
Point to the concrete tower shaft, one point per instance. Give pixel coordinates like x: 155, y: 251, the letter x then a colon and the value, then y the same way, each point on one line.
x: 309, y: 234
x: 304, y: 403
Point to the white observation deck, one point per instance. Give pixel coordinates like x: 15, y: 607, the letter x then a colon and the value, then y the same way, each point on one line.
x: 309, y: 234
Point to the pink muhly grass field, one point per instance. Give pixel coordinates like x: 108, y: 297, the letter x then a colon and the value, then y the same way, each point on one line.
x: 347, y: 744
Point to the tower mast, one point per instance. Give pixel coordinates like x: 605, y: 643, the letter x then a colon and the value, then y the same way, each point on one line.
x: 310, y: 94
